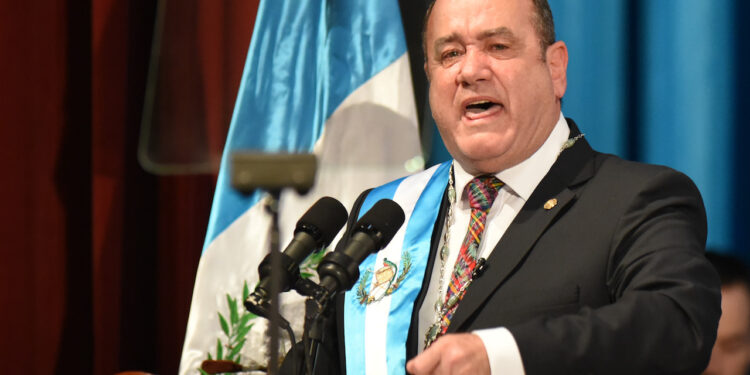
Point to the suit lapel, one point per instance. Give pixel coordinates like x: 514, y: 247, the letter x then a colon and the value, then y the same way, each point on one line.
x: 573, y: 167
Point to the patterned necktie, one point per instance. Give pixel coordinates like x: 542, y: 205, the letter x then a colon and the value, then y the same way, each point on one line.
x: 482, y: 191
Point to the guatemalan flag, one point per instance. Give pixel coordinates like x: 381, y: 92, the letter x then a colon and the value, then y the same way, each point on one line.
x: 330, y: 77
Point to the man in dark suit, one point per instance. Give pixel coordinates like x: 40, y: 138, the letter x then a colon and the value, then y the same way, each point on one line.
x: 574, y: 262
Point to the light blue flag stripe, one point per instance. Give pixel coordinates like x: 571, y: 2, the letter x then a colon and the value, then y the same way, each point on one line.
x: 305, y: 58
x: 688, y: 107
x: 417, y: 241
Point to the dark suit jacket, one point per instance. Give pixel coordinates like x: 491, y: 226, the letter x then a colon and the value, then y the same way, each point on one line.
x: 612, y: 280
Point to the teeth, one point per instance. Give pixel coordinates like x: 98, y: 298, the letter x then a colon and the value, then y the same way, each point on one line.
x: 479, y: 106
x: 480, y: 102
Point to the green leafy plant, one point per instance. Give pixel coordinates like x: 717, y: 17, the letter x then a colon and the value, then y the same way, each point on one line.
x: 240, y: 320
x: 235, y: 328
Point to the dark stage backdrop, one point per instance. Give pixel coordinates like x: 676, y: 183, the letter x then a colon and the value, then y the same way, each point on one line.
x: 99, y: 256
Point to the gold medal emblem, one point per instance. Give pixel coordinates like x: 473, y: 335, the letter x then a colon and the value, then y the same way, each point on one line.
x: 550, y: 204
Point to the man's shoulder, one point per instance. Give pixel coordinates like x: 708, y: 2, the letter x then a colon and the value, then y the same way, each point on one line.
x: 622, y: 175
x: 609, y: 163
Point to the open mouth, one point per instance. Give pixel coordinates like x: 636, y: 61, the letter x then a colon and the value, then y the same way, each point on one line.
x: 481, y: 106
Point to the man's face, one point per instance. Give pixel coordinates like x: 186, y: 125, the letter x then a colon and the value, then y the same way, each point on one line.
x: 731, y: 352
x: 493, y: 96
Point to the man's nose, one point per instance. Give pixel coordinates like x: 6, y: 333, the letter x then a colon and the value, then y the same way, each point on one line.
x: 474, y: 68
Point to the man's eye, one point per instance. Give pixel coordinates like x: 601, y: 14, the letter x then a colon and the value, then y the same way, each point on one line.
x: 449, y: 55
x: 499, y: 47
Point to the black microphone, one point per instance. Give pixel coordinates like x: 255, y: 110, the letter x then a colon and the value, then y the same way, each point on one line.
x: 479, y: 268
x: 315, y: 230
x: 339, y: 270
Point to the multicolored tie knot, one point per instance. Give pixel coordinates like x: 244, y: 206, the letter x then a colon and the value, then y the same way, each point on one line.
x: 482, y: 191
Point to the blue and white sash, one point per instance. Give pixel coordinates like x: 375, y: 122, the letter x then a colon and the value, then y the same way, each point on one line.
x: 378, y: 309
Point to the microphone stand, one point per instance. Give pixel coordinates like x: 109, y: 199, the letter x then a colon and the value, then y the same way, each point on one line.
x: 316, y: 314
x: 313, y: 333
x: 339, y: 272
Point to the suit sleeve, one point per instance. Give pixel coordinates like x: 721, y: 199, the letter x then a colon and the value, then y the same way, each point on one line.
x: 665, y: 296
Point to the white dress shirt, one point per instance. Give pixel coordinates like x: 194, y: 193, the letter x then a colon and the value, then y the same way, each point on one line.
x: 520, y: 181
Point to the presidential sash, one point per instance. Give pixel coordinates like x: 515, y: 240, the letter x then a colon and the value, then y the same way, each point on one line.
x: 378, y: 309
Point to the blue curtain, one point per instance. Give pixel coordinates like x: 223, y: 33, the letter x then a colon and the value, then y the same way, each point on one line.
x: 655, y: 81
x: 663, y: 82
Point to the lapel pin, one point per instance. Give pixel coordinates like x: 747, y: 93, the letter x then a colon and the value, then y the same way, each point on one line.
x: 550, y: 204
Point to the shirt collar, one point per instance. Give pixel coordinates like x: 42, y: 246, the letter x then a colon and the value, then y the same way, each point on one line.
x: 523, y: 177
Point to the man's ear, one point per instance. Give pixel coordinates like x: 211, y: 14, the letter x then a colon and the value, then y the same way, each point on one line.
x: 557, y: 63
x: 426, y: 71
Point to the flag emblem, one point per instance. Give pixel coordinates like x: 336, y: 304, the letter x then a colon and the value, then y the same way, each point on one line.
x: 385, y: 282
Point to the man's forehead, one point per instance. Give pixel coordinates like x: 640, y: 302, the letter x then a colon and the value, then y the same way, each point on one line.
x: 497, y: 16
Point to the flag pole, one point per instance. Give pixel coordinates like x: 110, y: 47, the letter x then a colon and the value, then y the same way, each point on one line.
x: 272, y: 207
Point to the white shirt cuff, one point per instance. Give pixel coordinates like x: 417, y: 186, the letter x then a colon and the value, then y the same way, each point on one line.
x: 502, y: 351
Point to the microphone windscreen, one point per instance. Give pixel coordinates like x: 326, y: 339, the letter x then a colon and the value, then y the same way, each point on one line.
x: 323, y: 220
x: 385, y: 217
